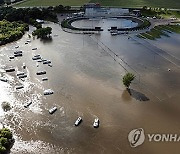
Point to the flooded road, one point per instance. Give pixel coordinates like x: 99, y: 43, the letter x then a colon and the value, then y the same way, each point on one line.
x: 86, y: 77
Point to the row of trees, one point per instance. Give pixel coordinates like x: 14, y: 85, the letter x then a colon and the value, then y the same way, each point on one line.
x: 6, y: 140
x: 27, y: 14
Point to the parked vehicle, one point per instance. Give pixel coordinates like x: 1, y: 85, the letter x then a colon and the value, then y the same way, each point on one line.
x: 52, y: 110
x: 78, y: 121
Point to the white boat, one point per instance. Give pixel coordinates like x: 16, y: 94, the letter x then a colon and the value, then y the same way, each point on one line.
x: 96, y: 123
x: 52, y: 110
x: 78, y: 121
x: 48, y: 92
x: 27, y: 104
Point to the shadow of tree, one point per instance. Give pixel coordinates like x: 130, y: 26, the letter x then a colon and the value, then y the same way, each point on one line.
x: 47, y: 40
x: 125, y: 96
x: 137, y: 95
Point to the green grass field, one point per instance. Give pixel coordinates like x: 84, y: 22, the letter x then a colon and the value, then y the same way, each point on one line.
x: 121, y: 3
x: 159, y: 31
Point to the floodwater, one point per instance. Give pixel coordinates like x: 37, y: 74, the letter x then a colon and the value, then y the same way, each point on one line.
x: 86, y: 77
x: 104, y: 23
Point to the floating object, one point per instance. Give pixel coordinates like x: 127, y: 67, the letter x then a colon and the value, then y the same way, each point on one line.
x: 19, y: 87
x: 169, y: 69
x: 27, y: 104
x: 3, y: 79
x: 20, y: 73
x: 34, y: 48
x: 10, y: 70
x: 43, y: 60
x: 24, y: 66
x: 114, y: 33
x: 96, y: 123
x: 18, y: 52
x: 11, y: 57
x: 44, y: 79
x: 48, y: 92
x: 50, y: 65
x: 41, y: 72
x: 18, y: 55
x: 22, y: 76
x: 47, y: 62
x: 36, y: 58
x: 52, y: 110
x: 39, y: 61
x: 78, y: 121
x: 28, y: 41
x: 37, y: 55
x: 16, y: 46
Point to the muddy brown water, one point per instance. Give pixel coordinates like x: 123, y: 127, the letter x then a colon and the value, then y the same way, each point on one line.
x: 87, y: 82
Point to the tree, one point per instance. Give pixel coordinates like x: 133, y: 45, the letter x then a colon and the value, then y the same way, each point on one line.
x: 6, y: 140
x: 1, y: 2
x: 127, y: 79
x: 42, y: 32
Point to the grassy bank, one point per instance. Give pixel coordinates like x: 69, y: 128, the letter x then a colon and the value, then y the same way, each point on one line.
x: 121, y: 3
x: 158, y: 31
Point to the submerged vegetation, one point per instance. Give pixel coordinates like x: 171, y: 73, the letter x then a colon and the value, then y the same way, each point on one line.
x: 6, y: 140
x: 158, y: 31
x: 11, y: 31
x: 6, y: 106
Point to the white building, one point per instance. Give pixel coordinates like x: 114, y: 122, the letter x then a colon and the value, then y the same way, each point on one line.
x: 94, y: 12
